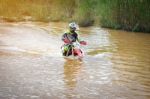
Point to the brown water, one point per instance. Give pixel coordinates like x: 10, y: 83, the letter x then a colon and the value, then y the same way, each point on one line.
x: 116, y: 64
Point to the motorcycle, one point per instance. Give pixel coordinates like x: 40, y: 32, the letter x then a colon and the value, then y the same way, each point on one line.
x: 73, y: 49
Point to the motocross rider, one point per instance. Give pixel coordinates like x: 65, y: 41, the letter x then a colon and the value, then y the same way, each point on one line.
x: 68, y: 38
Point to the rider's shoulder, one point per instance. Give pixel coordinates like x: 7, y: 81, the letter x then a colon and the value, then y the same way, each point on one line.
x: 66, y: 32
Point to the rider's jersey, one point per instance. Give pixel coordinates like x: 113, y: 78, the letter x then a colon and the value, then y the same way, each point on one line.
x: 71, y: 36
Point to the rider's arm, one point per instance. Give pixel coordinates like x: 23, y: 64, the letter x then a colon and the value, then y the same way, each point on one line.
x: 63, y: 37
x: 80, y: 41
x: 78, y: 38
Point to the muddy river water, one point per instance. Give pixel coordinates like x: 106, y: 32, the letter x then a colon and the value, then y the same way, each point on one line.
x: 116, y: 64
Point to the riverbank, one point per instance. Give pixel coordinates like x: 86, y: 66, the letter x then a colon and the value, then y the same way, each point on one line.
x: 127, y: 15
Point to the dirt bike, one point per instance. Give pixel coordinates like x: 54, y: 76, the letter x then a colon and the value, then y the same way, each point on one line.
x: 73, y: 49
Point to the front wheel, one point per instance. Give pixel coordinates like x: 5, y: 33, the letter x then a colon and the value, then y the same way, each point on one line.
x: 78, y: 52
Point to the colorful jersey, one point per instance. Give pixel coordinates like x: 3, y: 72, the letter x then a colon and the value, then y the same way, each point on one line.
x: 72, y: 37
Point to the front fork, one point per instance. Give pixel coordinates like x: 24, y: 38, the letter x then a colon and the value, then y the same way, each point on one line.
x: 77, y: 52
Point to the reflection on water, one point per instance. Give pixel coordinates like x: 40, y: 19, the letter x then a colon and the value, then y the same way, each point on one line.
x: 116, y: 64
x: 71, y: 70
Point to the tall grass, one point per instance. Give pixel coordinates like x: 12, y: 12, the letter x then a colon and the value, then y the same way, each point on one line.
x: 106, y: 12
x: 62, y: 10
x: 84, y: 13
x: 133, y: 15
x: 17, y: 10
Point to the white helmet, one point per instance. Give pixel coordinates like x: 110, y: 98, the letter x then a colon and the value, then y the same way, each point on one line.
x: 73, y: 25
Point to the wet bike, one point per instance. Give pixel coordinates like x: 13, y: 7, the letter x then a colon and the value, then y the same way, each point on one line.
x: 73, y: 49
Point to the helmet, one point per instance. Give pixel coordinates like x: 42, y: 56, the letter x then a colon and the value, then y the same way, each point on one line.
x: 73, y: 25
